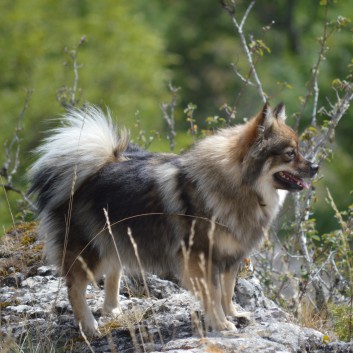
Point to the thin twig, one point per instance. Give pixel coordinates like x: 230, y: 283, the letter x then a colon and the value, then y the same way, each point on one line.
x: 335, y: 114
x: 168, y: 110
x: 12, y: 151
x: 313, y: 88
x: 67, y: 96
x: 246, y: 80
x: 75, y: 68
x: 248, y: 54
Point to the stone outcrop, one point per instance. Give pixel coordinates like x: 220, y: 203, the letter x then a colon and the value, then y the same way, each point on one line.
x: 35, y: 313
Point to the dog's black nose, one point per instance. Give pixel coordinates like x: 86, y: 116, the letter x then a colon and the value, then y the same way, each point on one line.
x: 313, y: 169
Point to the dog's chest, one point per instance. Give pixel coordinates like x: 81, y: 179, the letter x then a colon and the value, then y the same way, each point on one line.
x: 227, y: 244
x: 246, y: 224
x: 240, y: 241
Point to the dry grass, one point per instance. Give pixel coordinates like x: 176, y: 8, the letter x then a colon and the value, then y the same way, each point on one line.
x: 320, y: 321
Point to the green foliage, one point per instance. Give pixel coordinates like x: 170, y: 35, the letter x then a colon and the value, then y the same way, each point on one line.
x: 144, y: 138
x: 132, y: 48
x: 121, y: 64
x: 189, y: 111
x: 214, y: 123
x: 259, y: 47
x: 287, y: 40
x: 342, y: 321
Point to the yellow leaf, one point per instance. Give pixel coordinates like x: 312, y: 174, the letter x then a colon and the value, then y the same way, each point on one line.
x: 326, y: 339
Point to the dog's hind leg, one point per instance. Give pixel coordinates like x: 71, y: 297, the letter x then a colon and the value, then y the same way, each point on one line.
x: 77, y: 280
x: 208, y: 289
x: 111, y: 303
x: 228, y: 280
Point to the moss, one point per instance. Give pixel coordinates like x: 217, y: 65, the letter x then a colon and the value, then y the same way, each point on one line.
x: 20, y: 249
x: 26, y: 231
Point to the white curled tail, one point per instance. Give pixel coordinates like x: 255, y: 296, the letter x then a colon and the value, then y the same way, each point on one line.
x: 85, y: 142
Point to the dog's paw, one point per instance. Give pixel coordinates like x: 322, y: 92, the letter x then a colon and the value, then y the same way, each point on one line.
x: 89, y: 328
x: 229, y: 326
x: 111, y: 311
x: 232, y: 311
x: 244, y: 315
x: 224, y: 326
x: 116, y: 311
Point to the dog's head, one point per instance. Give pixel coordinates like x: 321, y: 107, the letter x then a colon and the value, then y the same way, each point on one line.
x: 274, y: 152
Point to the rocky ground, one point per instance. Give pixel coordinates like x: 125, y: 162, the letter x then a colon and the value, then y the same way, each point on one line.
x: 36, y: 315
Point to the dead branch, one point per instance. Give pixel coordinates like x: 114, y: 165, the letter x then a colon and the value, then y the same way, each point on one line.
x: 168, y: 110
x: 231, y: 9
x: 12, y: 153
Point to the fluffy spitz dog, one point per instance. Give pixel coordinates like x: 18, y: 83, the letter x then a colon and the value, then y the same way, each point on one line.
x: 196, y: 215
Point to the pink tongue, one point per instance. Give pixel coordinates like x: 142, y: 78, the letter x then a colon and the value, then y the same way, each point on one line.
x: 304, y: 184
x: 300, y: 182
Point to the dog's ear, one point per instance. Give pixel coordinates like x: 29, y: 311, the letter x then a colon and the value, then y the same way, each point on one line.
x: 280, y: 112
x: 265, y: 118
x: 260, y: 128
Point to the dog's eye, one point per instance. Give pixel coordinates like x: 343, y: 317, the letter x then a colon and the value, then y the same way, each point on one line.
x: 291, y: 154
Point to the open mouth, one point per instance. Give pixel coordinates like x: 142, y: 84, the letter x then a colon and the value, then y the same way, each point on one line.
x: 290, y: 182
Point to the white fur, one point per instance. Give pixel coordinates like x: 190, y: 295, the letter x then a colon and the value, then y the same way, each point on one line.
x: 79, y: 148
x: 282, y: 114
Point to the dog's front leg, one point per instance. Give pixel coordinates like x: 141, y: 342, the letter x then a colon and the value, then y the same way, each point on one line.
x: 208, y: 289
x: 228, y: 279
x: 111, y: 303
x: 215, y: 315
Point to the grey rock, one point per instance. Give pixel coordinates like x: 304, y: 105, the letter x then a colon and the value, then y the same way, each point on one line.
x: 336, y: 347
x: 46, y: 271
x: 224, y: 344
x: 11, y: 270
x: 249, y: 295
x: 170, y: 320
x: 14, y: 280
x: 21, y: 309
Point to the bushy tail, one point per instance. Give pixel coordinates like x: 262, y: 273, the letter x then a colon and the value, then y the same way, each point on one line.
x: 85, y: 142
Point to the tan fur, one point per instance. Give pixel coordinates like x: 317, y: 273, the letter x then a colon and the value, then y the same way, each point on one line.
x: 206, y: 286
x: 77, y: 281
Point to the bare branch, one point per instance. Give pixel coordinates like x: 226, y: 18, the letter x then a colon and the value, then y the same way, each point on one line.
x: 168, y: 110
x: 335, y: 114
x: 231, y: 10
x: 313, y: 88
x: 67, y: 96
x: 303, y: 203
x: 75, y: 68
x: 12, y: 153
x: 245, y: 80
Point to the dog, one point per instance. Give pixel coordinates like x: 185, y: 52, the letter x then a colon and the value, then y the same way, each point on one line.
x: 106, y: 205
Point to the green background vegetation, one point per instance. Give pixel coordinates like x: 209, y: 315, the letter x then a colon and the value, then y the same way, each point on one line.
x: 134, y: 48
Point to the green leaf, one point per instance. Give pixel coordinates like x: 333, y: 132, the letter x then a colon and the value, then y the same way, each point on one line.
x: 315, y: 237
